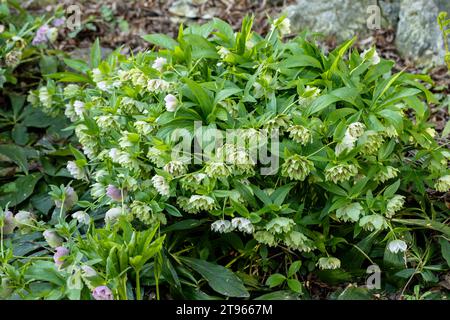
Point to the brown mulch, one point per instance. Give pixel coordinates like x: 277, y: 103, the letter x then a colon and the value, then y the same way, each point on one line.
x: 156, y: 16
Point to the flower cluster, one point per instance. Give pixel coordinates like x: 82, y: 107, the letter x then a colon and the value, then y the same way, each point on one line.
x: 156, y: 126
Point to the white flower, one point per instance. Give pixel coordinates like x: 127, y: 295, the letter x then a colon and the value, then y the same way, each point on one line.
x: 350, y: 212
x: 44, y: 97
x: 24, y: 218
x: 223, y: 52
x: 431, y: 132
x: 82, y: 217
x: 285, y: 26
x: 78, y: 107
x: 395, y: 204
x: 243, y: 225
x: 88, y: 271
x: 356, y: 129
x: 175, y: 168
x: 266, y: 238
x: 52, y: 238
x: 113, y: 214
x: 396, y: 246
x: 371, y: 55
x: 97, y: 190
x: 157, y: 85
x: 329, y: 263
x: 280, y: 225
x: 171, y: 103
x: 386, y: 173
x: 161, y: 185
x: 127, y: 139
x: 159, y: 63
x: 71, y: 90
x: 373, y: 222
x: 353, y: 132
x: 114, y: 154
x: 69, y: 112
x: 199, y: 203
x: 75, y: 170
x: 97, y: 75
x: 222, y: 226
x: 443, y: 184
x: 102, y: 85
x: 143, y: 127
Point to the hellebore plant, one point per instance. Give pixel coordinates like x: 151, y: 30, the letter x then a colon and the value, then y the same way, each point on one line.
x: 347, y: 140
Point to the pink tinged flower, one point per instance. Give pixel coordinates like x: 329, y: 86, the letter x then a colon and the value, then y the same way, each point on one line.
x: 58, y: 22
x: 102, y: 293
x: 9, y: 223
x: 60, y: 253
x: 41, y: 35
x: 171, y: 103
x: 114, y: 193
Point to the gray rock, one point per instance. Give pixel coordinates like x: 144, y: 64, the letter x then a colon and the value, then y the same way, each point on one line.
x: 340, y: 18
x: 418, y: 36
x: 390, y: 10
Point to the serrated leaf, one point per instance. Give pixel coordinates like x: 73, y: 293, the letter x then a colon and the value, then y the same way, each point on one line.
x: 16, y: 154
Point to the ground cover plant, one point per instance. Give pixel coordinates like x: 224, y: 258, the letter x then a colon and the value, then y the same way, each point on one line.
x: 232, y: 164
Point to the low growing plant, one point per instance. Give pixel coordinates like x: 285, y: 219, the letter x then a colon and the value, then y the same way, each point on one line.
x: 326, y: 157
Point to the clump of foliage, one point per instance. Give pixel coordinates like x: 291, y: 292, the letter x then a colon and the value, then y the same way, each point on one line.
x: 353, y: 153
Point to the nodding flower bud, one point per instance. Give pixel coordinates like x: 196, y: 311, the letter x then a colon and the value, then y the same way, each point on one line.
x: 113, y: 214
x: 115, y: 193
x: 24, y: 220
x: 9, y: 224
x: 52, y: 238
x: 171, y: 103
x: 70, y: 200
x: 102, y: 293
x: 88, y: 271
x: 60, y: 253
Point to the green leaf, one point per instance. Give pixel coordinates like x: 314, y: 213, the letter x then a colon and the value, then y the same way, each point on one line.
x: 184, y: 225
x: 69, y: 77
x: 294, y: 285
x: 355, y: 293
x: 300, y: 60
x: 341, y: 94
x: 281, y: 193
x: 77, y: 65
x: 294, y: 267
x: 44, y: 271
x: 16, y: 154
x: 201, y: 95
x: 392, y: 189
x: 279, y: 295
x: 225, y: 93
x: 48, y: 64
x: 172, y: 210
x: 22, y: 188
x: 96, y: 54
x: 275, y: 280
x: 445, y: 249
x: 19, y: 134
x: 161, y: 40
x: 219, y: 278
x: 427, y: 224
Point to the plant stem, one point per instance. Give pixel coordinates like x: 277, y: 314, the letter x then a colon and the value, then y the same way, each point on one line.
x: 138, y: 286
